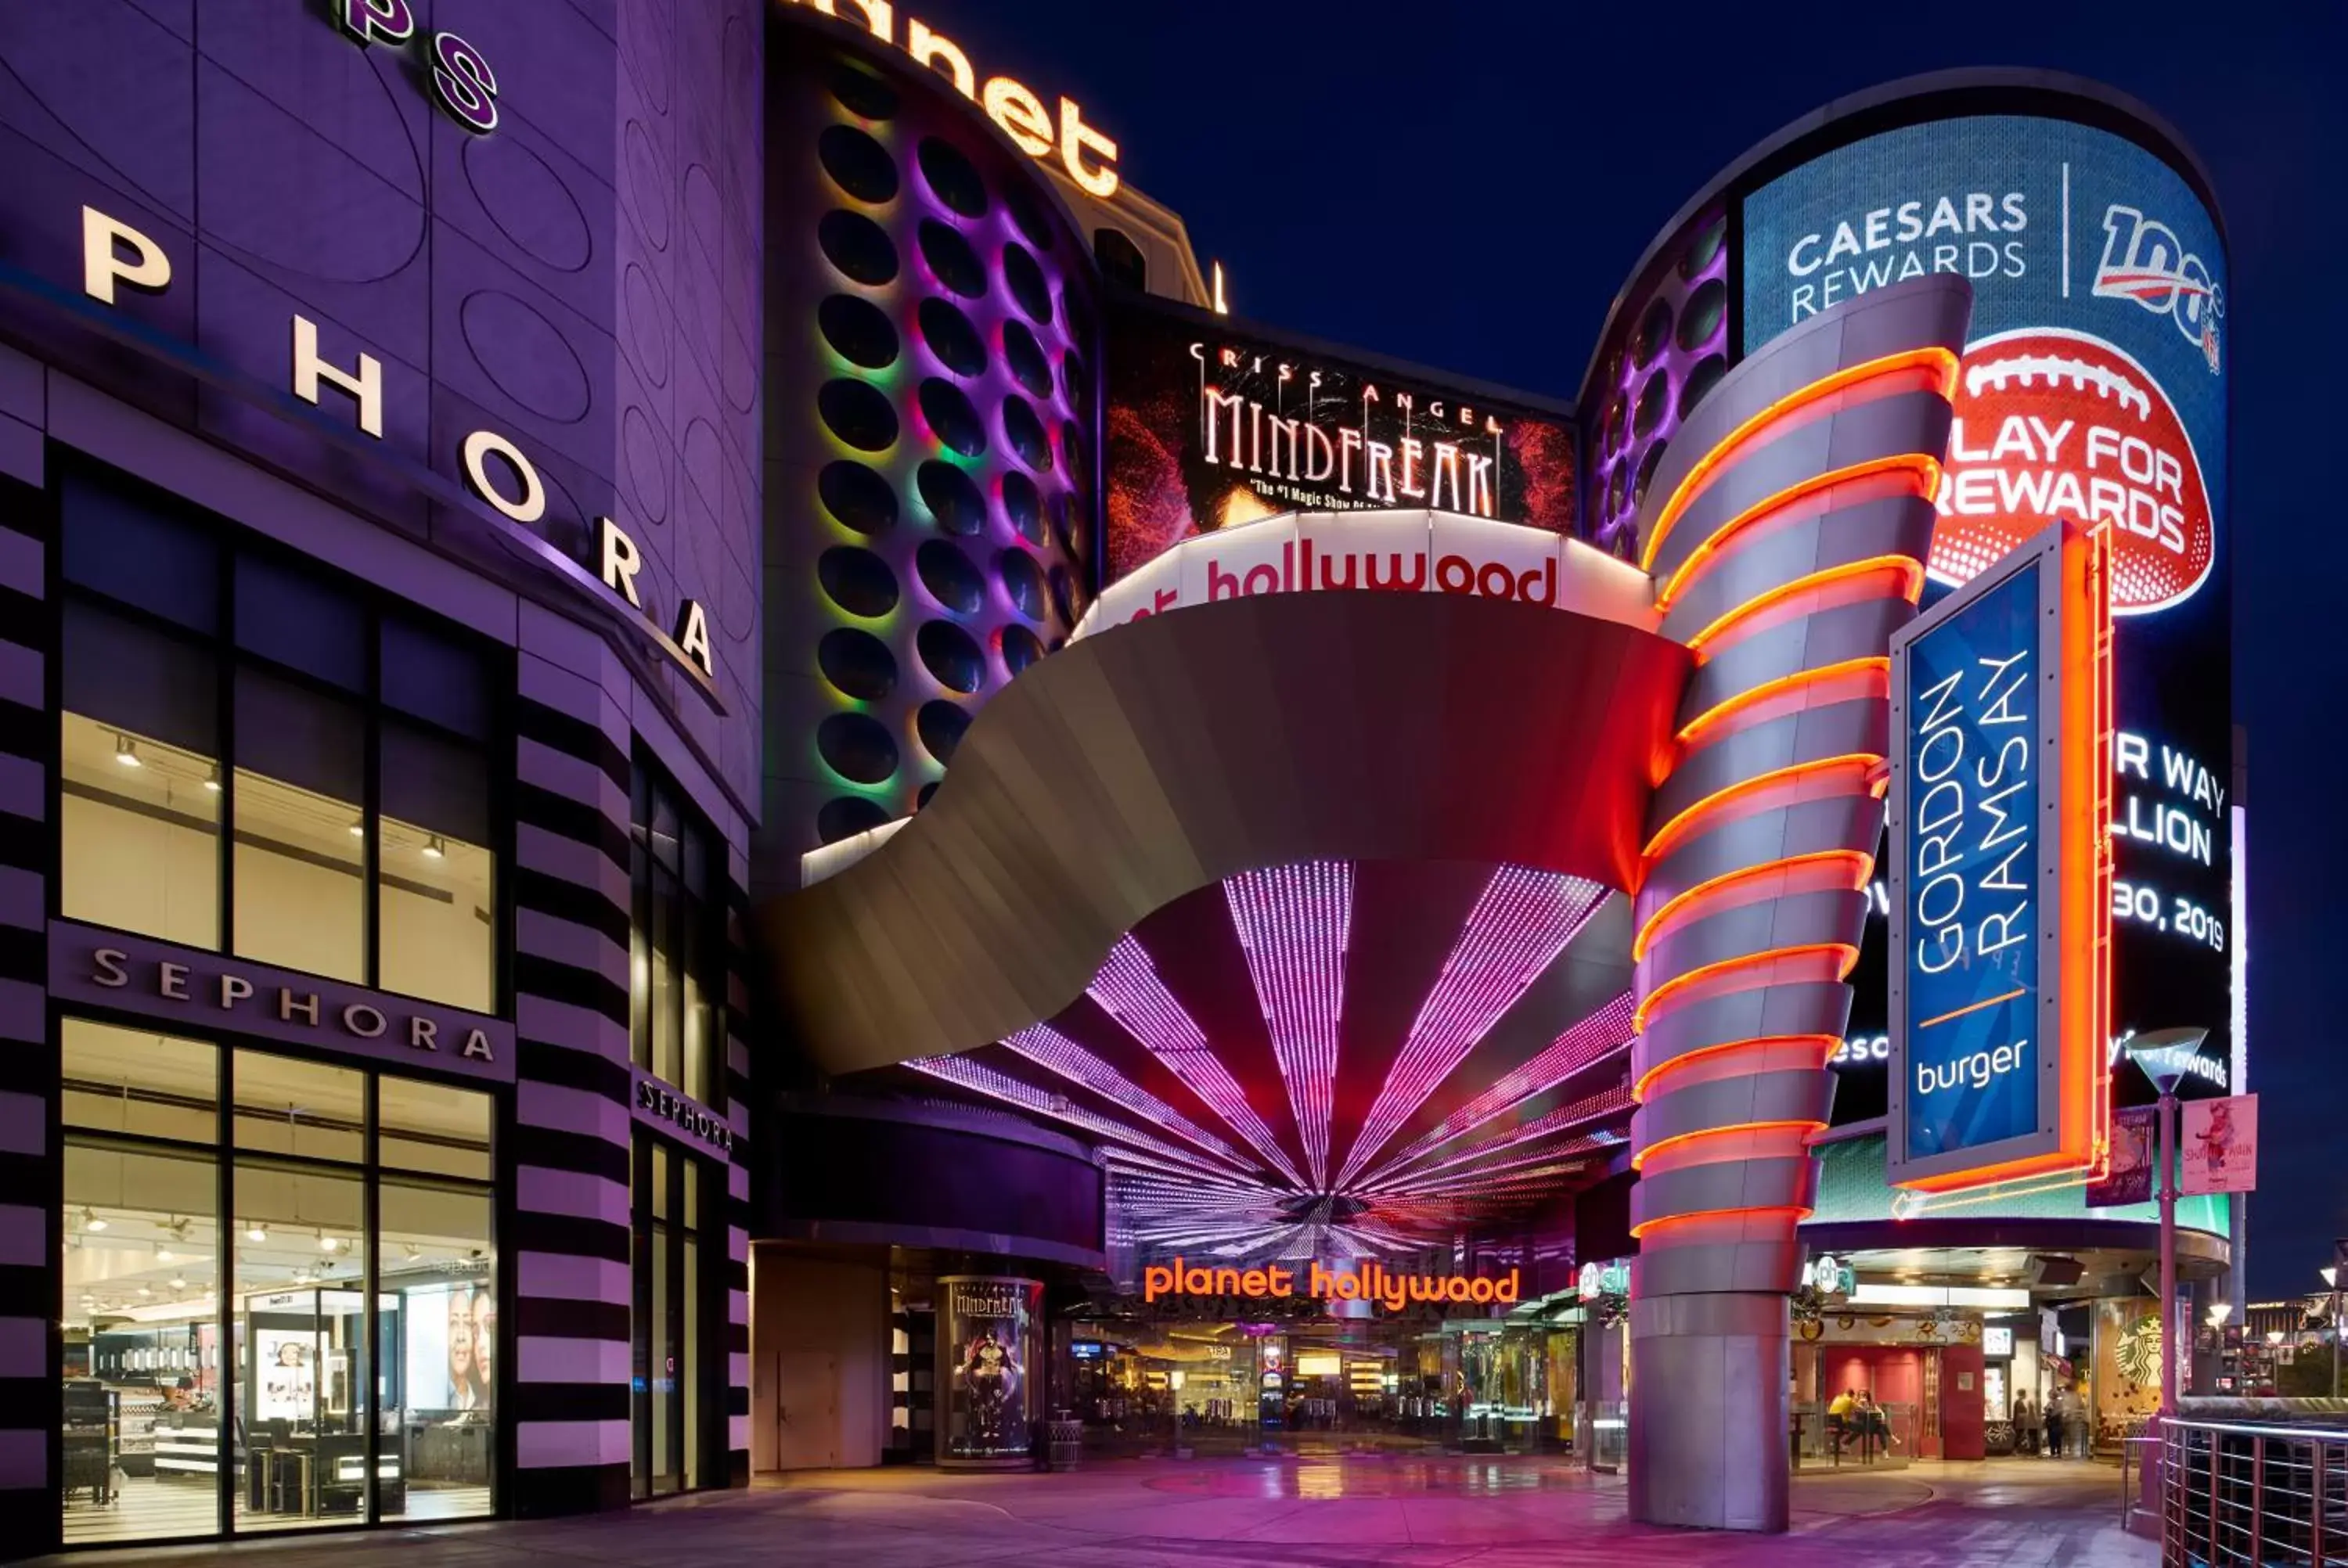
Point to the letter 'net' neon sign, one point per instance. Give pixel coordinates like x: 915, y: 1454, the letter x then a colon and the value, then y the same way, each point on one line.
x: 2001, y: 874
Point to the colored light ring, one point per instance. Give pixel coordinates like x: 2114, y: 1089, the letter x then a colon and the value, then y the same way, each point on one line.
x: 1787, y: 532
x: 918, y: 612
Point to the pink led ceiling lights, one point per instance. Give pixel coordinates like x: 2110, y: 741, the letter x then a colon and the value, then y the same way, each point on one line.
x: 1171, y: 1066
x: 1294, y: 922
x: 1519, y: 927
x: 1128, y: 989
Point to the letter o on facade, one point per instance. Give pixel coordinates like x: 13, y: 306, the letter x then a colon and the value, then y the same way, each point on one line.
x: 477, y: 448
x: 364, y: 1022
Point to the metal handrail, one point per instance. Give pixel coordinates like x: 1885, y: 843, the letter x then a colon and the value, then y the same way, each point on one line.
x: 2249, y: 1495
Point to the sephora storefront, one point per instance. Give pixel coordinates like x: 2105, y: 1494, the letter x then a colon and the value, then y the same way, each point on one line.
x: 378, y: 703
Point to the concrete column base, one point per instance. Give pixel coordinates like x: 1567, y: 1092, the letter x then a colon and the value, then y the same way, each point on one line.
x: 1709, y: 1412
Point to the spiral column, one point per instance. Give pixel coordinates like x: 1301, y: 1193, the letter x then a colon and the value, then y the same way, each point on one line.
x: 1787, y: 530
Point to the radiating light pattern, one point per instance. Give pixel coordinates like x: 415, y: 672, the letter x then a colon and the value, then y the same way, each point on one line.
x: 1048, y: 1048
x: 1128, y: 989
x: 964, y: 1073
x: 1293, y: 923
x: 1601, y: 1034
x: 1195, y: 1166
x: 1522, y: 921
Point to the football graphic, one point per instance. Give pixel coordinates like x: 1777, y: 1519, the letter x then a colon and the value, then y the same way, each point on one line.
x: 2051, y: 424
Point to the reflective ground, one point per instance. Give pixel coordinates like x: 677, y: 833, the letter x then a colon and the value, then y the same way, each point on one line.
x: 1308, y: 1513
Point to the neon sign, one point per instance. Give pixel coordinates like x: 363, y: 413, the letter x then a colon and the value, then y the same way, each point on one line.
x: 2001, y: 881
x: 462, y: 82
x: 1370, y: 1281
x: 1015, y: 110
x: 115, y: 256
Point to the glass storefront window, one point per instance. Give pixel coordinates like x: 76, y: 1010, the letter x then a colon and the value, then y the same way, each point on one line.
x: 675, y: 1400
x: 140, y: 780
x: 307, y: 1109
x: 303, y: 1389
x: 136, y: 1082
x: 434, y: 1129
x: 435, y: 873
x: 677, y: 974
x: 343, y: 1368
x: 141, y: 1341
x: 301, y: 828
x: 437, y: 1284
x: 347, y: 745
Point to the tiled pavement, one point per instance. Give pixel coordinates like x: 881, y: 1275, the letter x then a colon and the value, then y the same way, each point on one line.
x: 1339, y: 1513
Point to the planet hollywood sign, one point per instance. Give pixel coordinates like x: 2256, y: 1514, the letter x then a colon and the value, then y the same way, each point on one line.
x: 1370, y: 1281
x: 1380, y: 551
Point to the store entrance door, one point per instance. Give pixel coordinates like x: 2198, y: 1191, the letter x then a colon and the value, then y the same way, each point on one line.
x: 806, y: 1385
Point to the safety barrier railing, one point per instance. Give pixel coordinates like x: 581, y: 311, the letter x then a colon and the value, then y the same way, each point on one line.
x: 2244, y: 1494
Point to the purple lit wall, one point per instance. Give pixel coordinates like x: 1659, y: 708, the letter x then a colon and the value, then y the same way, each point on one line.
x: 1673, y: 349
x: 929, y: 369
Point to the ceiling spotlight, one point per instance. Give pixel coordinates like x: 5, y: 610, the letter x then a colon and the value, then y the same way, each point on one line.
x: 301, y: 1277
x: 212, y: 779
x: 327, y: 1242
x: 125, y: 750
x: 90, y: 1222
x: 358, y: 827
x: 163, y: 1255
x: 434, y: 847
x: 257, y: 1233
x: 144, y: 1291
x: 179, y: 1282
x: 412, y: 1251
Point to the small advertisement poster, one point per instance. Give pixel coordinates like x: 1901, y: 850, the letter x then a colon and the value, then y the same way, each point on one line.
x: 989, y: 1332
x: 2130, y: 1181
x: 2221, y: 1145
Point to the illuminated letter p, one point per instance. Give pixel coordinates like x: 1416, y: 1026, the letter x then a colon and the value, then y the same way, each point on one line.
x: 101, y: 266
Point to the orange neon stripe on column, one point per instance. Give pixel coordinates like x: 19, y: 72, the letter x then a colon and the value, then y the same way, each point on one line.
x: 1914, y: 474
x: 1786, y: 782
x: 1821, y: 871
x: 1903, y: 577
x: 1731, y: 1223
x: 1923, y: 369
x: 1862, y: 676
x: 1780, y: 1138
x: 1704, y: 977
x: 1714, y: 1061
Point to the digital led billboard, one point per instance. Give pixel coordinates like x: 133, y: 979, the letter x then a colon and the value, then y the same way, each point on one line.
x: 2001, y: 920
x: 2094, y: 387
x: 1210, y: 426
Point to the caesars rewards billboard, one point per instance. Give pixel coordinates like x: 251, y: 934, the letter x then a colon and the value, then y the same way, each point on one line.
x: 1210, y: 426
x: 2094, y: 387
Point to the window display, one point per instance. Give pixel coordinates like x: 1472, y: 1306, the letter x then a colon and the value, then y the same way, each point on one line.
x: 169, y: 1435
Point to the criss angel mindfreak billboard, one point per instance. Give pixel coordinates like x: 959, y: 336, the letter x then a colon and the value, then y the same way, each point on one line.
x: 1211, y: 425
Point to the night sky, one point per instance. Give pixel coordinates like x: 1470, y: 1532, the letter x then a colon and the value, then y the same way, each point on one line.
x: 1470, y: 195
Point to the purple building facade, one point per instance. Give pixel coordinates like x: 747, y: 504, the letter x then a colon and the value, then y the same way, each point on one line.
x: 380, y: 669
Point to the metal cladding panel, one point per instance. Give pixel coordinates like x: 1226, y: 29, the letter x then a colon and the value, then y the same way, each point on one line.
x: 1769, y: 466
x: 1817, y: 1008
x: 1852, y: 823
x: 1761, y: 1097
x: 1837, y: 636
x: 1844, y: 729
x: 1932, y: 310
x: 1749, y: 930
x: 1147, y: 762
x: 1871, y: 529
